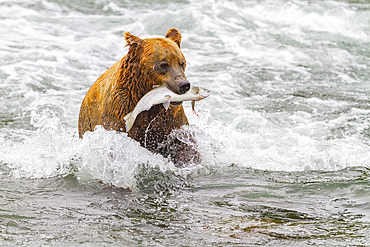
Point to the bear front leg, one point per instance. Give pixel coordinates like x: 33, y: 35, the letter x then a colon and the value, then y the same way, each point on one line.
x: 180, y: 147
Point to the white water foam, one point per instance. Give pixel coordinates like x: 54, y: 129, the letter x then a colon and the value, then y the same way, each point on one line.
x: 105, y: 155
x: 53, y: 53
x: 254, y: 141
x: 250, y: 140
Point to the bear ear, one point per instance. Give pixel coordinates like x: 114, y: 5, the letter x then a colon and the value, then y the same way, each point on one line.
x: 174, y: 35
x: 132, y: 39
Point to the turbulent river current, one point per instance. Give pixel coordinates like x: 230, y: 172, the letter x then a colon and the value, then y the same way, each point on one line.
x: 284, y: 138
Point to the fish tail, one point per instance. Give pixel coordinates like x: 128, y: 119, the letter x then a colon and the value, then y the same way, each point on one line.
x: 129, y: 121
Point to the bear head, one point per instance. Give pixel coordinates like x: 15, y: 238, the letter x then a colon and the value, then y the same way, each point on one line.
x: 157, y: 61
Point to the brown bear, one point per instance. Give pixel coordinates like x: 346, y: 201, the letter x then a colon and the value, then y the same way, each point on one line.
x: 148, y: 63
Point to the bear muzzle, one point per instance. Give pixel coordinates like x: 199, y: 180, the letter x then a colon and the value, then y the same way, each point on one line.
x: 184, y: 86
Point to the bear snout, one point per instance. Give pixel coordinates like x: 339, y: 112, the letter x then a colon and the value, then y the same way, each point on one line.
x: 184, y: 86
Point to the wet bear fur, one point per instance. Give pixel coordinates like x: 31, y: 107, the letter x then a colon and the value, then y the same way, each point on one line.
x: 149, y: 62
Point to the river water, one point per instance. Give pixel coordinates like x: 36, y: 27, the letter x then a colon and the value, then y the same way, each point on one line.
x: 284, y: 137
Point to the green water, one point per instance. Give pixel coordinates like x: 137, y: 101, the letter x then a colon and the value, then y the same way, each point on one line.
x: 236, y: 207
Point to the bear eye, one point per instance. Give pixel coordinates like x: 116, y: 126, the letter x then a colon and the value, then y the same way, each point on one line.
x: 163, y: 67
x: 183, y: 65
